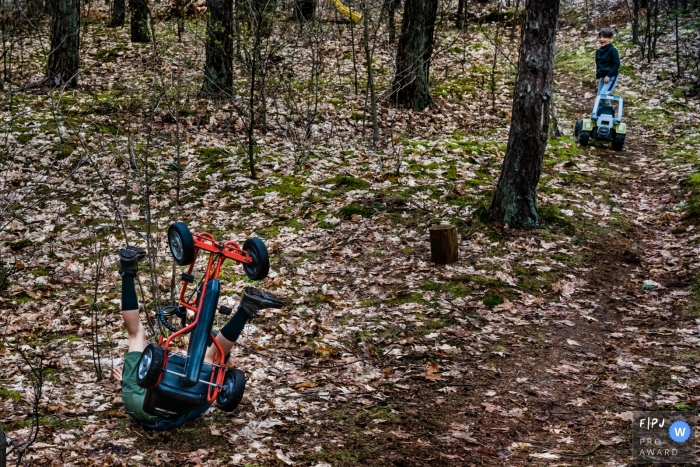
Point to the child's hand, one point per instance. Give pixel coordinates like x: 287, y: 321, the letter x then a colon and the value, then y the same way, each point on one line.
x: 597, y: 82
x: 606, y: 79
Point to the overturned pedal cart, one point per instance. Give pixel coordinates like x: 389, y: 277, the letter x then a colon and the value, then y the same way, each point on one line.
x: 178, y: 383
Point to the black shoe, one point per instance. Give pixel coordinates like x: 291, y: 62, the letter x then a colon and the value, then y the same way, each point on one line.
x: 129, y: 258
x: 254, y: 300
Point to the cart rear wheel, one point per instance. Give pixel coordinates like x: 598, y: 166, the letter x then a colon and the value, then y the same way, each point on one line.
x: 578, y: 127
x: 583, y: 138
x: 231, y: 393
x: 150, y: 366
x: 181, y: 243
x: 618, y: 143
x: 258, y: 269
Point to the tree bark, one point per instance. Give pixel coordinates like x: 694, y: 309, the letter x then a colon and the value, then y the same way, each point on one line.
x: 459, y: 21
x: 390, y: 6
x: 62, y: 68
x: 218, y: 70
x: 515, y: 200
x: 118, y: 13
x: 415, y: 48
x: 304, y: 10
x: 635, y: 21
x: 139, y: 20
x: 443, y: 244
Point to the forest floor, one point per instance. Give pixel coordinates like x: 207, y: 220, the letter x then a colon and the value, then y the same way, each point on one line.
x: 533, y: 349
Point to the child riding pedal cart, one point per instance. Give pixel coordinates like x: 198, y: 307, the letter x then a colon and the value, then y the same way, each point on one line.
x: 178, y: 383
x: 605, y: 124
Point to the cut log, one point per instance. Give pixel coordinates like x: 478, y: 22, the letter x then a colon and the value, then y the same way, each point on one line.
x: 443, y: 244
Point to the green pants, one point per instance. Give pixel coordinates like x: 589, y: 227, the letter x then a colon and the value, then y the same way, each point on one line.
x: 133, y: 394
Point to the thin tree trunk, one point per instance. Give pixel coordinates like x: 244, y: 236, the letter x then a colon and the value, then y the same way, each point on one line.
x: 251, y: 111
x: 370, y: 74
x: 652, y: 50
x: 139, y: 20
x: 459, y: 23
x: 411, y: 81
x: 494, y: 65
x: 391, y: 22
x: 64, y: 57
x: 304, y: 10
x: 676, y: 12
x: 118, y: 13
x: 635, y: 22
x: 218, y: 69
x: 515, y: 200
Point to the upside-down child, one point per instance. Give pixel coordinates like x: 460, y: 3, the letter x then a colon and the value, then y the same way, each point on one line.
x: 132, y: 394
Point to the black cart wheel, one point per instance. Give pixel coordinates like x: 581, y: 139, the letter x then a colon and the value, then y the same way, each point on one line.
x: 181, y: 243
x: 150, y: 366
x: 258, y: 269
x: 583, y: 138
x: 618, y: 143
x: 578, y: 127
x: 232, y: 391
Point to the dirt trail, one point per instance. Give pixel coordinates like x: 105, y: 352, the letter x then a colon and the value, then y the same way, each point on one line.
x: 611, y: 346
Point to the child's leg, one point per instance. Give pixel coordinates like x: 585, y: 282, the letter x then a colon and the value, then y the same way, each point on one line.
x: 130, y: 314
x: 228, y: 335
x: 610, y: 85
x: 253, y: 301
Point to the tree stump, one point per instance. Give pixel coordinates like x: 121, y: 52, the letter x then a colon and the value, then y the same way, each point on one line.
x: 443, y: 244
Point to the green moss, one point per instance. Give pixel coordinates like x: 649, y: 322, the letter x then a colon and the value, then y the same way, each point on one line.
x: 64, y: 149
x: 213, y: 157
x: 8, y: 394
x: 492, y: 299
x: 19, y: 245
x: 290, y: 187
x: 346, y: 212
x: 348, y: 182
x: 454, y: 287
x: 24, y: 138
x: 552, y: 215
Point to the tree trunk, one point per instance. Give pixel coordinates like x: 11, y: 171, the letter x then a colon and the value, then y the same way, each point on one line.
x: 139, y: 20
x: 443, y: 244
x: 118, y: 13
x: 415, y: 48
x: 515, y: 200
x: 64, y: 57
x: 304, y: 9
x: 218, y: 70
x: 391, y: 19
x: 635, y: 21
x: 459, y: 23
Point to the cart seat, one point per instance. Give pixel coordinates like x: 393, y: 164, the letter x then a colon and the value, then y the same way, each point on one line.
x: 606, y: 110
x: 171, y: 398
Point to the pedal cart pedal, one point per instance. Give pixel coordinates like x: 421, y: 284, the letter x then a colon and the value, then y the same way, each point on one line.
x: 605, y: 124
x: 178, y: 383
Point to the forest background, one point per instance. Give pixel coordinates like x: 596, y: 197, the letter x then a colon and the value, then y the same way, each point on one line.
x: 535, y: 347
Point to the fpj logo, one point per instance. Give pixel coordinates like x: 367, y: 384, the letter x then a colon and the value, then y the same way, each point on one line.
x: 663, y: 437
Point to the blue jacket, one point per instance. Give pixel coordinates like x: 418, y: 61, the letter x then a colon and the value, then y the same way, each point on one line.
x: 607, y: 61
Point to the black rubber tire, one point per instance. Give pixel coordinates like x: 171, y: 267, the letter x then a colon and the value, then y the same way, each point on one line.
x: 260, y: 267
x: 618, y: 142
x: 181, y: 243
x: 232, y: 392
x: 583, y: 138
x: 578, y: 127
x: 150, y: 366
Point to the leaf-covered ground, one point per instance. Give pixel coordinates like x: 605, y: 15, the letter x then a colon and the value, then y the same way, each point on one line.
x: 533, y: 349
